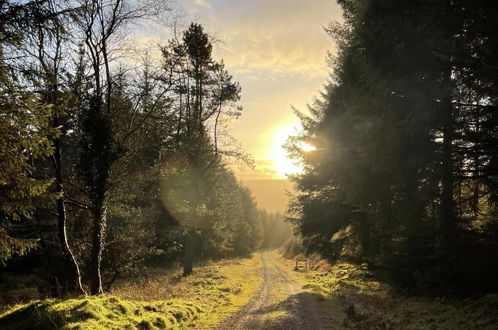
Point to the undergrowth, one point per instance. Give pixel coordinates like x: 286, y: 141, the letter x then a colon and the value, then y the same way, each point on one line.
x: 363, y: 301
x: 165, y: 302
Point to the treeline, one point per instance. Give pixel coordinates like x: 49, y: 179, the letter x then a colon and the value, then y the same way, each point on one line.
x: 107, y: 164
x: 276, y: 230
x: 406, y: 133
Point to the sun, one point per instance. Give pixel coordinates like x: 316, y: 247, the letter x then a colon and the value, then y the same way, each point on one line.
x: 281, y: 163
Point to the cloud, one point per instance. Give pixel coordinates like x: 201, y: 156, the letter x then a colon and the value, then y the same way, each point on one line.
x: 277, y: 50
x: 279, y: 37
x: 195, y: 8
x: 202, y: 3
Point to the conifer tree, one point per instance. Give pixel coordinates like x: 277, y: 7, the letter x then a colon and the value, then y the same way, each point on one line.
x: 25, y: 133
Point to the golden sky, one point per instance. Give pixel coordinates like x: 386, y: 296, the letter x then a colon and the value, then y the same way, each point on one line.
x: 277, y: 50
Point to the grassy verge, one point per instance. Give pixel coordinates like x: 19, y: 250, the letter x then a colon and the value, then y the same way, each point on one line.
x: 353, y: 294
x: 165, y: 302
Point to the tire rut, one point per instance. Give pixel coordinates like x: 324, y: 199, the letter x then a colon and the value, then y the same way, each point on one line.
x: 280, y: 303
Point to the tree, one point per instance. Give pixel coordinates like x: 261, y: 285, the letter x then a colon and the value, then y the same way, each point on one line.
x: 204, y: 90
x: 97, y: 140
x: 403, y: 113
x: 25, y: 136
x: 25, y: 123
x: 100, y: 147
x: 48, y: 43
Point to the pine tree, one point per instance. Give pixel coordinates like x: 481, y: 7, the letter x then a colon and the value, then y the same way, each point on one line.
x: 205, y: 92
x: 25, y: 133
x: 409, y: 111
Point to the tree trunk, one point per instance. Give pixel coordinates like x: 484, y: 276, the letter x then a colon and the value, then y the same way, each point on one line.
x: 189, y: 253
x: 447, y: 181
x: 74, y: 277
x: 477, y: 167
x: 191, y: 239
x: 99, y: 224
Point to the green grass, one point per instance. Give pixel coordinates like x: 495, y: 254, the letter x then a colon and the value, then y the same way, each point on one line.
x: 100, y: 312
x: 163, y: 302
x: 355, y: 296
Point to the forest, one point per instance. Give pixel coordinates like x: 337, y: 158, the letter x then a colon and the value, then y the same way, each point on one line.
x: 406, y: 164
x: 121, y: 207
x: 107, y: 167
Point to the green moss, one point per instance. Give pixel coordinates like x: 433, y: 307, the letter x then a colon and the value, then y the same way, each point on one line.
x: 351, y: 294
x: 176, y: 302
x: 100, y: 312
x: 371, y: 304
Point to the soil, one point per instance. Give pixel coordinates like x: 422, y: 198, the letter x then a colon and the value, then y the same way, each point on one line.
x: 280, y: 303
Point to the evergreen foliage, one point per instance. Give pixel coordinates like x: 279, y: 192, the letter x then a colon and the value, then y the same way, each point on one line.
x: 403, y: 134
x: 25, y: 135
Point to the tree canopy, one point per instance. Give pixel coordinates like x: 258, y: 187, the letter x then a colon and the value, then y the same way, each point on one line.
x: 405, y: 133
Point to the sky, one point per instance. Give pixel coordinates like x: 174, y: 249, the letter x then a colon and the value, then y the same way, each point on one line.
x: 276, y: 50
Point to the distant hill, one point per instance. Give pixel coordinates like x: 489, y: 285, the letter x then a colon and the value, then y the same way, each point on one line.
x: 271, y: 194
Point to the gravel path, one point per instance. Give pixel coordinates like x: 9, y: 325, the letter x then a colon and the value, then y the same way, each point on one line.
x: 280, y: 303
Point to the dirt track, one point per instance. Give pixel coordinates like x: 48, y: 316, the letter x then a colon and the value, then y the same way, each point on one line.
x: 280, y: 303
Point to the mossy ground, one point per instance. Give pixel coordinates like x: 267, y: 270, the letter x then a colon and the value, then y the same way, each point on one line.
x: 353, y: 294
x: 168, y: 301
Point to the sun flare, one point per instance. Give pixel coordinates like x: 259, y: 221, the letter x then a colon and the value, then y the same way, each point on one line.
x: 283, y: 165
x: 306, y: 147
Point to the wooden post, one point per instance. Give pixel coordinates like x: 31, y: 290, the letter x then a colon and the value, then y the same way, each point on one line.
x: 301, y: 260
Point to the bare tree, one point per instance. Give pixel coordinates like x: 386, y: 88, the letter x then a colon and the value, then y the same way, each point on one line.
x: 102, y: 22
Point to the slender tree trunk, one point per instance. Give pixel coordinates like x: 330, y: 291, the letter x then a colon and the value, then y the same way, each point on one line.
x: 74, y: 279
x: 189, y: 253
x: 377, y: 241
x: 108, y: 77
x: 100, y: 209
x: 191, y: 239
x: 99, y: 224
x: 477, y: 167
x: 413, y: 216
x: 180, y: 118
x: 447, y: 181
x: 73, y: 266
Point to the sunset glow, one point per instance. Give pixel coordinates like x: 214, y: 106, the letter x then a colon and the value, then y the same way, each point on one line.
x: 278, y: 65
x: 282, y: 164
x: 306, y: 147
